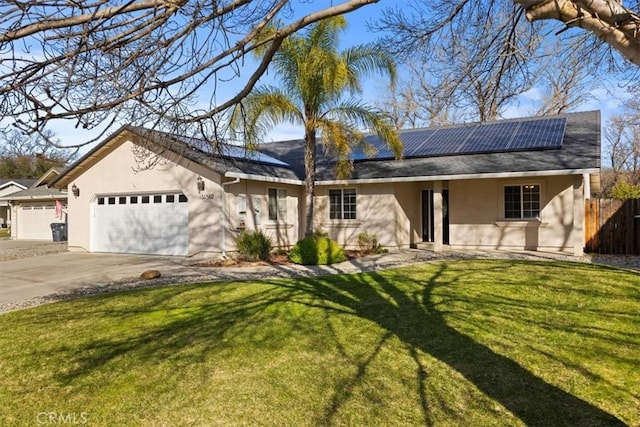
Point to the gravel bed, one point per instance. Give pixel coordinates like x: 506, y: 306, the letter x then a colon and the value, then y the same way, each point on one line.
x: 33, y: 250
x: 367, y: 264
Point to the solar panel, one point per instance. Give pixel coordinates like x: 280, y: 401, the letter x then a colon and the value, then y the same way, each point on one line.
x: 513, y: 135
x: 232, y: 151
x: 241, y: 153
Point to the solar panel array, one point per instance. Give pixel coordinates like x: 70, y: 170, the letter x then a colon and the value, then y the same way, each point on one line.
x: 537, y: 134
x: 236, y: 152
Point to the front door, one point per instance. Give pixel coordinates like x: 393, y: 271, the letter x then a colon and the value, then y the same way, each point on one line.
x: 428, y: 225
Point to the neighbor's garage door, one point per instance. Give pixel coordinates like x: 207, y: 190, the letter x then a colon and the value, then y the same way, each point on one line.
x: 141, y: 224
x: 34, y: 222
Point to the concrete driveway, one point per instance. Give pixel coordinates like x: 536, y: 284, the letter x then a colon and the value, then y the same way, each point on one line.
x: 38, y: 276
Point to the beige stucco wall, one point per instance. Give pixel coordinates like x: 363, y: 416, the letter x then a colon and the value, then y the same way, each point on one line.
x: 477, y: 220
x: 476, y: 215
x: 256, y: 217
x: 116, y: 174
x: 386, y: 210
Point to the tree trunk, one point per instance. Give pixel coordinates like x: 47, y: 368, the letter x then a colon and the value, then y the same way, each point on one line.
x: 607, y: 19
x: 310, y: 178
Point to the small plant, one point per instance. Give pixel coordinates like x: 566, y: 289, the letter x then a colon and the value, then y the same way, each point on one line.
x: 254, y: 245
x: 369, y: 244
x: 317, y: 249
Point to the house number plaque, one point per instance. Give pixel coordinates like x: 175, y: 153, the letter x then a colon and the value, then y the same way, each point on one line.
x: 207, y: 196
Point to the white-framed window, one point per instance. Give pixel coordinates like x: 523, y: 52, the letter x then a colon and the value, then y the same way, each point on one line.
x: 522, y: 201
x: 342, y: 203
x: 277, y: 204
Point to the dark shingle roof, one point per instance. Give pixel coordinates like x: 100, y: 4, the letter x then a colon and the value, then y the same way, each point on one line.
x: 580, y: 150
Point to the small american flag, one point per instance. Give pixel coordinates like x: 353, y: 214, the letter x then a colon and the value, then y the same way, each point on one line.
x: 58, y: 209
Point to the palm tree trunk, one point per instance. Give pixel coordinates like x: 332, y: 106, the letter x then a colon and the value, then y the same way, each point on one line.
x: 310, y: 178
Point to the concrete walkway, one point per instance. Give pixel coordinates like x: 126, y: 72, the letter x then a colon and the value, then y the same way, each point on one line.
x: 36, y: 280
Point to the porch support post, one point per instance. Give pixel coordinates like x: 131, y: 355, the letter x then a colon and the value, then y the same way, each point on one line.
x: 578, y: 215
x: 437, y: 216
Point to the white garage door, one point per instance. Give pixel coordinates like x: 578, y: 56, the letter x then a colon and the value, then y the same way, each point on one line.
x: 34, y: 222
x: 141, y: 224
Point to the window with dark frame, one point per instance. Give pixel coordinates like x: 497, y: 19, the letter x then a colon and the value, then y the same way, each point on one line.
x: 522, y: 201
x: 277, y: 204
x: 342, y: 203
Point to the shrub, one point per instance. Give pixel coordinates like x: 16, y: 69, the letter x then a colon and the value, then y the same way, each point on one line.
x: 369, y: 244
x: 317, y: 249
x: 254, y: 245
x: 624, y: 190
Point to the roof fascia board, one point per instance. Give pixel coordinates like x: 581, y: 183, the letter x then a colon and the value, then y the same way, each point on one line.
x: 526, y: 174
x: 273, y: 179
x: 17, y: 184
x: 40, y: 197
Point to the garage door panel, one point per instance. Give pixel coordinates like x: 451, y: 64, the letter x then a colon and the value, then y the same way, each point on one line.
x: 34, y: 222
x: 141, y: 228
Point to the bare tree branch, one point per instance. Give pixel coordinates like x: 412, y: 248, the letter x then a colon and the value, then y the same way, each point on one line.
x: 143, y: 61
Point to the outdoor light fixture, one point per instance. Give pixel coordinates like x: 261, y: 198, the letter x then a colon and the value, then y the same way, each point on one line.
x: 75, y: 190
x: 200, y: 185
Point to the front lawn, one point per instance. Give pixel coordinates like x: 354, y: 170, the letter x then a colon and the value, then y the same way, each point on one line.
x: 448, y: 343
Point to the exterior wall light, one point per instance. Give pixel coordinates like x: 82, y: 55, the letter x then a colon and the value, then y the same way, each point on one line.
x: 200, y: 185
x: 75, y: 190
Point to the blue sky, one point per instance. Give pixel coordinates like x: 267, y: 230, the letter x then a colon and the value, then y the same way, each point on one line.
x: 356, y: 33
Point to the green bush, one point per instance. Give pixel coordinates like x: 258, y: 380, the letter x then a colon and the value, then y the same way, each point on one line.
x: 254, y: 245
x: 317, y: 249
x: 369, y: 244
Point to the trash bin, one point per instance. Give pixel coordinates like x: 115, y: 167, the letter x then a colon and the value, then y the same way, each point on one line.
x: 59, y: 231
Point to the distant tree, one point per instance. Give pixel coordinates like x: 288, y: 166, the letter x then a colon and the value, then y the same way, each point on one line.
x: 622, y: 148
x: 24, y: 156
x: 314, y: 77
x: 477, y: 58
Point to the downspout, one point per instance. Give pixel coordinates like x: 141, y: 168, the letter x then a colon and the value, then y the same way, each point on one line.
x: 224, y: 221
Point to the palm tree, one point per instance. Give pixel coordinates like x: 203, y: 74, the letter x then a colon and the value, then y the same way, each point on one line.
x: 314, y: 77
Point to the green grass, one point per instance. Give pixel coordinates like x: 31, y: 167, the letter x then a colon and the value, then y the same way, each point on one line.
x: 471, y: 343
x: 5, y: 233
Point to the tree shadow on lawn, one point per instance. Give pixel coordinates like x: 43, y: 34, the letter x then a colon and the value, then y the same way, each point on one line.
x: 413, y: 318
x: 417, y: 321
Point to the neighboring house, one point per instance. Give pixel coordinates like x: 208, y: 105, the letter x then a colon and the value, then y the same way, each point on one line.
x: 511, y: 185
x: 34, y: 209
x: 9, y: 186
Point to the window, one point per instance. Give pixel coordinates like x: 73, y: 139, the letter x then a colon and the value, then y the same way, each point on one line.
x: 170, y: 198
x: 133, y: 200
x: 182, y: 198
x: 101, y: 200
x: 145, y: 199
x: 277, y: 204
x: 111, y: 200
x: 342, y: 203
x: 521, y: 201
x: 122, y: 200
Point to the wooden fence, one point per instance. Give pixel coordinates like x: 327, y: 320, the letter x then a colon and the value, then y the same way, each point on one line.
x: 612, y: 226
